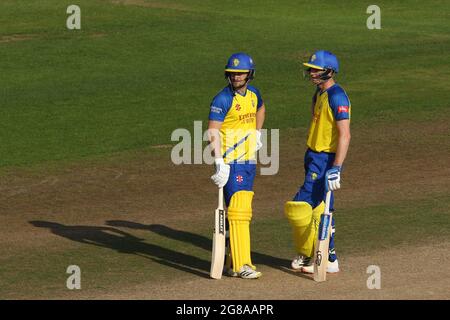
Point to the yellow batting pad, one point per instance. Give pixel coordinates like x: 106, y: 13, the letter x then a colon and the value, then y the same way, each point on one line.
x: 299, y: 214
x: 305, y: 224
x: 317, y: 212
x: 313, y: 228
x: 239, y: 217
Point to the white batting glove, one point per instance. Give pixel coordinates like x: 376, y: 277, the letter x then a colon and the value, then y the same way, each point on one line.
x: 334, y: 178
x: 220, y: 178
x: 258, y: 140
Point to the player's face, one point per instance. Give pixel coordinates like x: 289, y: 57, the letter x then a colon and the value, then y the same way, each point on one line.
x: 315, y: 75
x: 238, y: 79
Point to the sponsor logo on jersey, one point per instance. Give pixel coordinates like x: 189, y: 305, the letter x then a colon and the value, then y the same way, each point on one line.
x: 342, y: 109
x: 215, y: 109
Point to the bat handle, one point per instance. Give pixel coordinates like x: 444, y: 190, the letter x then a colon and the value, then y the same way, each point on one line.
x: 220, y: 197
x: 327, y: 202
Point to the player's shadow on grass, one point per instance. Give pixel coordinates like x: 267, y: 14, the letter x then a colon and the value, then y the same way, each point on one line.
x: 124, y: 242
x: 197, y: 240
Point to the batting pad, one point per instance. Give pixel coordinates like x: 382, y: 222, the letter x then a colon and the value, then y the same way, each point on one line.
x: 305, y: 224
x: 239, y: 217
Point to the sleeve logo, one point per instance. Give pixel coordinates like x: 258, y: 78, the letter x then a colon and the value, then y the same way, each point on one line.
x: 342, y: 109
x: 216, y: 109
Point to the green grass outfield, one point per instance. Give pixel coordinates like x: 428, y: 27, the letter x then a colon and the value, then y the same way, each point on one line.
x: 134, y: 73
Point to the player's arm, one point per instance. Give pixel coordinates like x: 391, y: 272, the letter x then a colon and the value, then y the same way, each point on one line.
x: 214, y: 137
x: 340, y: 105
x: 344, y: 137
x: 220, y: 178
x: 217, y: 112
x: 260, y: 117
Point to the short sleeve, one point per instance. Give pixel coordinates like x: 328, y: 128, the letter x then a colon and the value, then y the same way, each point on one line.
x: 340, y: 104
x: 219, y: 108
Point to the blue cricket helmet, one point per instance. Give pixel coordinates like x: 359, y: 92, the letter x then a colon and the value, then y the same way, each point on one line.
x: 323, y: 60
x: 240, y: 62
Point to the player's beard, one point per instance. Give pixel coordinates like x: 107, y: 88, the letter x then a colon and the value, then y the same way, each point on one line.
x: 317, y: 81
x: 316, y: 78
x: 238, y: 85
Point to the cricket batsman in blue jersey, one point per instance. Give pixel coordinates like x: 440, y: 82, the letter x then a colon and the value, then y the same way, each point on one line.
x: 328, y: 142
x: 236, y: 116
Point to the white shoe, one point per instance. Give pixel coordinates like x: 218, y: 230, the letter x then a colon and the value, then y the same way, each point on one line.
x: 246, y: 272
x: 332, y: 267
x: 300, y: 261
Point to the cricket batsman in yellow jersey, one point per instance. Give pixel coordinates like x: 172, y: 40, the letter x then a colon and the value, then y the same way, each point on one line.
x: 328, y: 142
x: 236, y: 115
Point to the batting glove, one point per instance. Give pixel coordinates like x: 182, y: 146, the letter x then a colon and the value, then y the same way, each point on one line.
x: 258, y: 140
x: 220, y: 178
x: 333, y: 177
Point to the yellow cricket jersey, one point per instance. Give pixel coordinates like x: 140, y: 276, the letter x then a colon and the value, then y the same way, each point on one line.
x: 238, y: 114
x: 330, y: 106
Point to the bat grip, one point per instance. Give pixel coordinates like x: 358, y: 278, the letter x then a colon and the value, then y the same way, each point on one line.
x: 327, y: 202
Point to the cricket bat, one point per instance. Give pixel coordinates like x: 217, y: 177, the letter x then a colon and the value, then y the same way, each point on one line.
x: 322, y: 243
x: 218, y: 248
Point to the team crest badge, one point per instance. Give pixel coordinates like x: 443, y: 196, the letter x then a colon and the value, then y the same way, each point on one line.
x: 238, y: 107
x: 236, y: 62
x: 313, y: 57
x: 314, y: 176
x: 239, y: 179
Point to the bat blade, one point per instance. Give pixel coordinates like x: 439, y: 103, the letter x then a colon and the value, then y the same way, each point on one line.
x: 218, y: 248
x: 322, y: 243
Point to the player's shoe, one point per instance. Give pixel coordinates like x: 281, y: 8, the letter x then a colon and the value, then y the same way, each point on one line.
x: 229, y: 272
x: 246, y: 272
x: 332, y: 267
x: 300, y: 261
